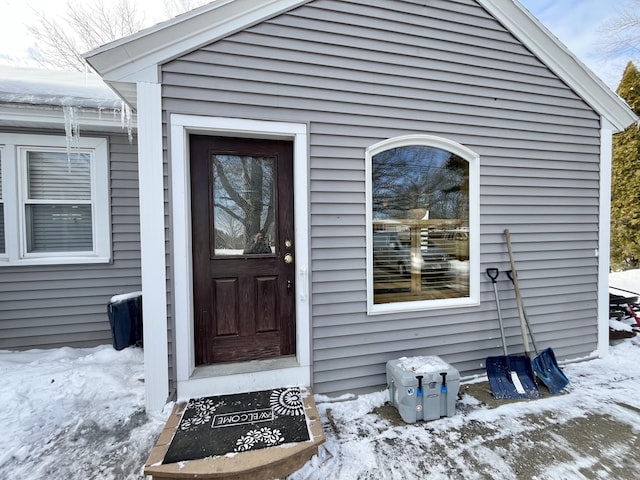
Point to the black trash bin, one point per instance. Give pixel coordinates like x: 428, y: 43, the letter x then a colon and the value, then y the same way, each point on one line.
x: 125, y: 318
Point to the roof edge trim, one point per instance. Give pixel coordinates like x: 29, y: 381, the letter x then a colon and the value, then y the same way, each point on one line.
x: 126, y: 58
x: 535, y: 36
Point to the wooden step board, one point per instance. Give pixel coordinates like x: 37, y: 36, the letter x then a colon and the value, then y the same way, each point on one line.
x: 262, y: 464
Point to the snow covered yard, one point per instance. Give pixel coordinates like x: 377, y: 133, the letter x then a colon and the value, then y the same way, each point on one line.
x: 590, y: 432
x: 72, y: 414
x: 77, y: 414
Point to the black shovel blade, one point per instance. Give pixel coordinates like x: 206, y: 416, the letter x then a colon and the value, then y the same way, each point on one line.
x: 549, y: 372
x: 511, y: 377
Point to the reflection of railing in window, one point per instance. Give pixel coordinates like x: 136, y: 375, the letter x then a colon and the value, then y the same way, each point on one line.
x: 417, y: 259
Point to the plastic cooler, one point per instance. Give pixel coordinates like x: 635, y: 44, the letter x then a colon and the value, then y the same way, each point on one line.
x: 422, y: 388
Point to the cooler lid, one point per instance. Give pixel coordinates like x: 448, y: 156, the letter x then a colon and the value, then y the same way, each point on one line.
x: 406, y: 369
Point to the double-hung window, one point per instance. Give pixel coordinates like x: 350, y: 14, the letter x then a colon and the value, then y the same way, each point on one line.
x: 422, y: 224
x: 55, y: 200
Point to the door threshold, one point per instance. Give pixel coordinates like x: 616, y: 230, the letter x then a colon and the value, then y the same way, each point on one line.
x: 240, y: 377
x: 238, y: 368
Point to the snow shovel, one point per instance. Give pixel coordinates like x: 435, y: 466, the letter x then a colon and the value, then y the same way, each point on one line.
x: 544, y: 363
x: 510, y: 376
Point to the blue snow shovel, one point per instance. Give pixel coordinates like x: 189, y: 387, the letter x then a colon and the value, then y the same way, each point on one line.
x: 510, y: 376
x: 544, y: 364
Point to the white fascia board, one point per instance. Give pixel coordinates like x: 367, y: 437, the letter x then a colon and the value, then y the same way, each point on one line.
x: 535, y: 36
x: 131, y: 57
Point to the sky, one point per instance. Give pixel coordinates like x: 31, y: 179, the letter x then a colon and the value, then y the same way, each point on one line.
x: 576, y: 23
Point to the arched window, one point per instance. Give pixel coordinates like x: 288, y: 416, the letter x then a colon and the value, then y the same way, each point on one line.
x: 422, y: 224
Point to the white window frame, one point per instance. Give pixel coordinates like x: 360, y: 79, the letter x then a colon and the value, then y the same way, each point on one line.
x: 14, y: 148
x: 473, y: 299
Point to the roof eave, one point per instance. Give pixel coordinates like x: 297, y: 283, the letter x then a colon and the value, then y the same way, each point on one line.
x: 137, y: 57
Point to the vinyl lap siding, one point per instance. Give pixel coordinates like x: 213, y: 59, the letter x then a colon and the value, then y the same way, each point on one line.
x: 358, y: 72
x: 53, y: 306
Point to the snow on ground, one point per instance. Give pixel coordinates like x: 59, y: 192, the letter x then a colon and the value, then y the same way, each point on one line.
x: 627, y: 282
x: 74, y: 414
x: 77, y: 414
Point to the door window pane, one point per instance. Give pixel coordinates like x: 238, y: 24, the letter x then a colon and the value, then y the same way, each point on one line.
x: 243, y: 204
x: 420, y: 227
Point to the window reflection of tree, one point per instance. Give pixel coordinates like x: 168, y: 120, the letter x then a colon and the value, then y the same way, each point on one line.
x: 420, y: 177
x: 243, y: 199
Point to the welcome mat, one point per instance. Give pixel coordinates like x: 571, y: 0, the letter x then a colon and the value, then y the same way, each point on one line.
x: 212, y: 426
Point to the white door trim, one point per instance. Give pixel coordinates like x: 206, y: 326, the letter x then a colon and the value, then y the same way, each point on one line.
x: 209, y: 381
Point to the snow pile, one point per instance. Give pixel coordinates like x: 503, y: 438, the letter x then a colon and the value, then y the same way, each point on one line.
x: 74, y: 414
x: 625, y: 283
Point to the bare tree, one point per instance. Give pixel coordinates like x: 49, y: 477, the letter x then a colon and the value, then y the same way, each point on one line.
x: 82, y: 26
x: 176, y: 7
x: 621, y: 34
x: 61, y: 41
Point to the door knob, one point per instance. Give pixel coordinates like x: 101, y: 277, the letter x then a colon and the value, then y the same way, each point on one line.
x: 288, y: 258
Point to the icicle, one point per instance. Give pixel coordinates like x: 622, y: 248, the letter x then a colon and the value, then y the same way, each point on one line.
x: 72, y: 130
x: 125, y: 118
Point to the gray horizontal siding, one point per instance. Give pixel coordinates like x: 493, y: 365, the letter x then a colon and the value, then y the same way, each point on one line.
x: 358, y: 73
x: 66, y: 305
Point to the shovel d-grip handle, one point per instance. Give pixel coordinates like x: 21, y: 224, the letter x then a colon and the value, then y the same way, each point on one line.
x: 493, y: 274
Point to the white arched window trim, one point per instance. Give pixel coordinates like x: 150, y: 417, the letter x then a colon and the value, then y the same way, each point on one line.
x: 473, y: 299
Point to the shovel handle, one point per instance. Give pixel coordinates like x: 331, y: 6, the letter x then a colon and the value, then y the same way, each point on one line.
x: 493, y: 274
x: 514, y: 279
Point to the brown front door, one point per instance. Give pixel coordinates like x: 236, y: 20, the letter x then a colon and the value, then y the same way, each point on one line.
x: 243, y: 248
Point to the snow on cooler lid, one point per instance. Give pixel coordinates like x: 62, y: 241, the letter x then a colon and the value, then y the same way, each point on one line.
x: 423, y: 365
